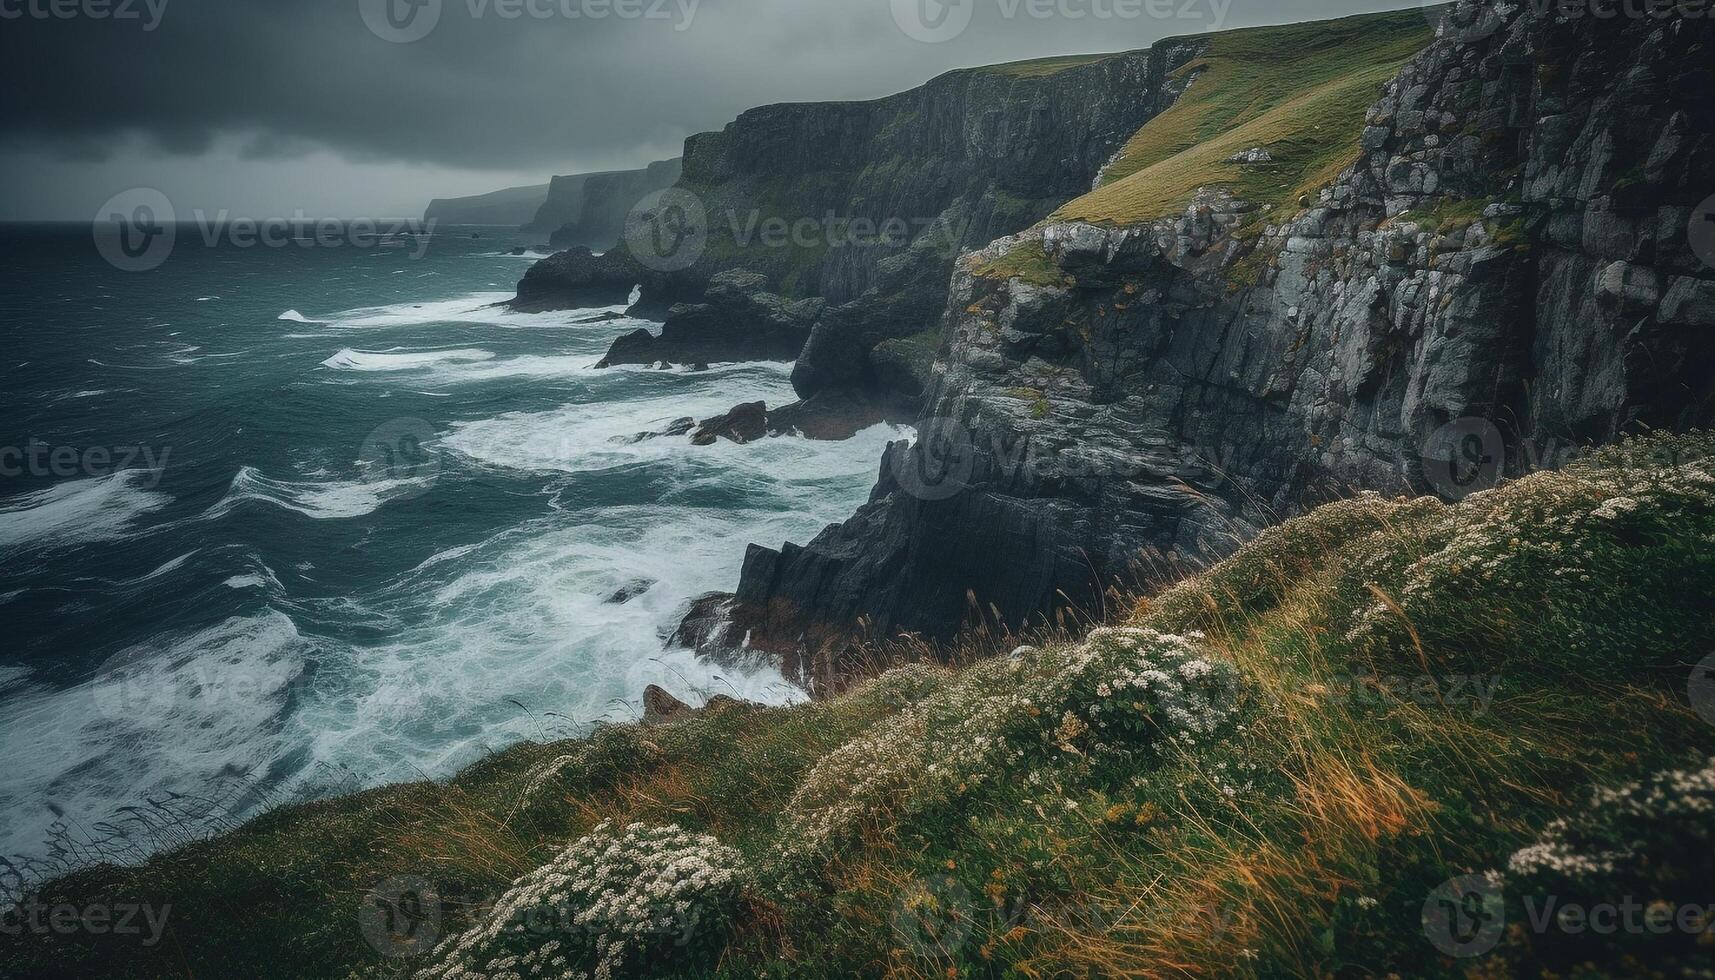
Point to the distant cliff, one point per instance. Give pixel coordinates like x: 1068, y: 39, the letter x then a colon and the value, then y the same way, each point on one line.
x: 513, y: 206
x: 1234, y: 327
x: 590, y: 209
x: 867, y: 204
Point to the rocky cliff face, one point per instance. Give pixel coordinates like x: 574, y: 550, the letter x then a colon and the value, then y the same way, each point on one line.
x: 590, y: 209
x: 1509, y: 270
x: 866, y: 205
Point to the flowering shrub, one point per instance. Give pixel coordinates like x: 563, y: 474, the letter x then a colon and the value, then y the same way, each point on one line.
x: 1602, y: 564
x: 1122, y: 692
x: 1648, y: 845
x: 616, y: 903
x: 901, y: 686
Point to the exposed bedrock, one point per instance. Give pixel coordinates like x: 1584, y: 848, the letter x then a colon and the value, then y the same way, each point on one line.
x: 1503, y: 276
x: 866, y: 205
x: 738, y: 319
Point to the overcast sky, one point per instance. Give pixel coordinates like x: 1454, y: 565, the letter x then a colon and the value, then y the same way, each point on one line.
x: 337, y: 108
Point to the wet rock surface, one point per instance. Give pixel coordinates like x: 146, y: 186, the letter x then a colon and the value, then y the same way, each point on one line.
x: 1503, y: 276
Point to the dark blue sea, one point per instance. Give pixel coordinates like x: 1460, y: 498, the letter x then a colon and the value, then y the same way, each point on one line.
x: 277, y: 522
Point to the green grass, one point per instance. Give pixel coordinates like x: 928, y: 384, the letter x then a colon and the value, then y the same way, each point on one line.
x: 1026, y: 261
x: 1042, y: 67
x: 1422, y: 688
x: 1299, y: 91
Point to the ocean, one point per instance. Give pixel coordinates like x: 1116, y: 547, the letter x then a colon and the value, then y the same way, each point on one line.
x: 283, y: 521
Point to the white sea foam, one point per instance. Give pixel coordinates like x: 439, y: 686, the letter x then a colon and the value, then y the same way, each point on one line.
x: 399, y: 359
x: 479, y: 308
x: 173, y: 715
x: 294, y: 316
x: 327, y: 500
x: 79, y: 512
x: 596, y: 436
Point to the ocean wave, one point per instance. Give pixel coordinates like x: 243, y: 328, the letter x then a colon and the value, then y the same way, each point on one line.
x: 485, y: 308
x: 79, y: 512
x: 332, y: 500
x: 293, y: 316
x: 597, y: 436
x: 171, y: 716
x: 399, y: 359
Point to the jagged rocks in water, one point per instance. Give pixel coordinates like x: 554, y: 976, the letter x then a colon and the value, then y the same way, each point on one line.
x: 578, y: 278
x: 707, y: 627
x: 745, y: 423
x: 738, y: 320
x: 630, y: 591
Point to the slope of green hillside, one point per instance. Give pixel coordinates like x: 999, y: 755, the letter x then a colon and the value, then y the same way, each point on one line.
x: 1299, y: 91
x: 1286, y: 766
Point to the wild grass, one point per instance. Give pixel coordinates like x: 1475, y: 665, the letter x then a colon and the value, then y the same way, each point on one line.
x: 1043, y: 67
x: 1418, y: 696
x: 1300, y: 92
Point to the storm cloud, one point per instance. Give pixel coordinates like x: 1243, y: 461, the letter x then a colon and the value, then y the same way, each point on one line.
x: 338, y: 103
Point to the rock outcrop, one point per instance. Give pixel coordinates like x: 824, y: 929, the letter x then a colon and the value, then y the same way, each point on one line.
x: 866, y: 205
x: 577, y: 279
x: 1503, y: 275
x: 738, y: 319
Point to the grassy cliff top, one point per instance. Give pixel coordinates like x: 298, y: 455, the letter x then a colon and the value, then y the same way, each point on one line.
x: 1299, y: 91
x: 1039, y: 67
x: 1270, y: 769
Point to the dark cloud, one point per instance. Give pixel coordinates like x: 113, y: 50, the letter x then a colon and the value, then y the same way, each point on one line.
x: 541, y: 92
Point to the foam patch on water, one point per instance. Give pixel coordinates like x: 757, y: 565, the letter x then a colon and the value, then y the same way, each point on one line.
x: 399, y: 359
x: 327, y: 500
x: 79, y: 512
x: 597, y: 436
x: 479, y: 308
x: 170, y: 716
